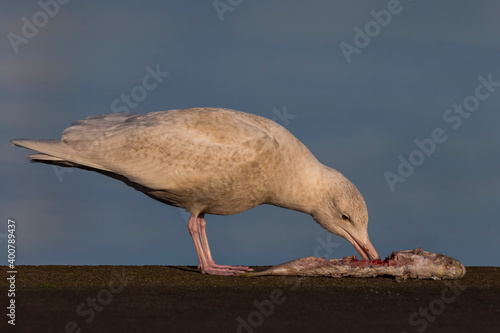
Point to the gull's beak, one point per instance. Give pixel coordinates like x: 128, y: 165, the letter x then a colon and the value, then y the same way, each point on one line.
x: 365, y: 250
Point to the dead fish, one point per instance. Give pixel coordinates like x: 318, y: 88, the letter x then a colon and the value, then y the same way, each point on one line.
x: 416, y: 264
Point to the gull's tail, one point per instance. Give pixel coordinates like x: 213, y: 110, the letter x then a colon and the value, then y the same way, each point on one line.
x: 55, y: 152
x: 51, y: 150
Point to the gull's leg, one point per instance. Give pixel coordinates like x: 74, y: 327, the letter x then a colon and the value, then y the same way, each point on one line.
x: 208, y: 254
x: 194, y: 231
x: 197, y: 229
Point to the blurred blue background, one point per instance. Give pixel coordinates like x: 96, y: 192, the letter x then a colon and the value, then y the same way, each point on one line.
x: 357, y: 111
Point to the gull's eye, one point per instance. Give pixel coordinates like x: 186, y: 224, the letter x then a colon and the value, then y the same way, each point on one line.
x: 345, y: 217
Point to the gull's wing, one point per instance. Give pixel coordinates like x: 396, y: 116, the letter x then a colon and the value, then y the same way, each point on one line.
x: 167, y: 149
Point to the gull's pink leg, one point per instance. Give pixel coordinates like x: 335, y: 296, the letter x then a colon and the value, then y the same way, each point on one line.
x: 194, y: 231
x: 197, y: 229
x: 208, y: 254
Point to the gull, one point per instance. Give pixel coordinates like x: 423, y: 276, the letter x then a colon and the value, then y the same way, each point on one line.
x: 212, y: 161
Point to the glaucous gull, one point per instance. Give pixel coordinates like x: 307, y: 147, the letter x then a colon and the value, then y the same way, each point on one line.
x: 212, y: 161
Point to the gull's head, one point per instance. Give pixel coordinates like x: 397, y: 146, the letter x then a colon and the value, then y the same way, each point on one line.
x: 343, y: 212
